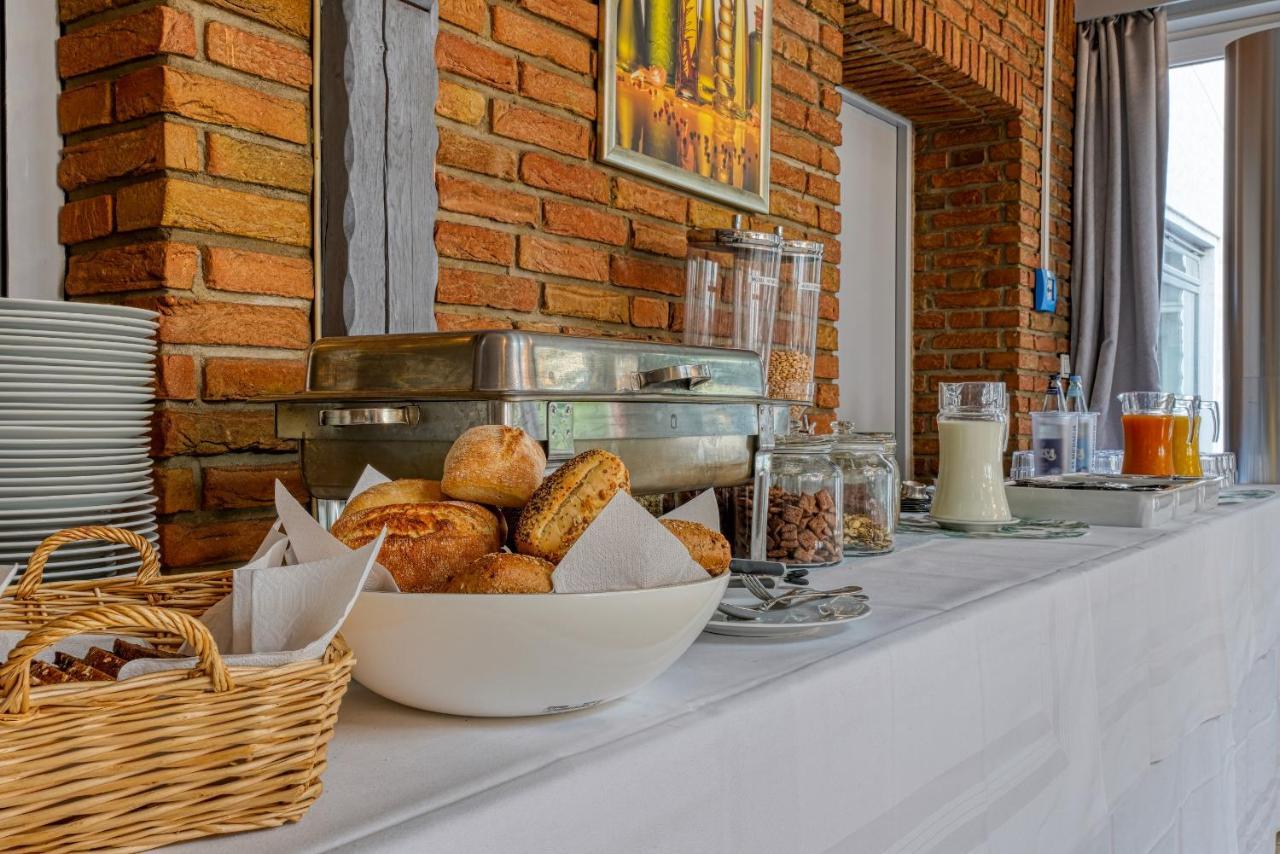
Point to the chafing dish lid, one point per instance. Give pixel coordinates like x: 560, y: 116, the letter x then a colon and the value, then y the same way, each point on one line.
x: 525, y: 364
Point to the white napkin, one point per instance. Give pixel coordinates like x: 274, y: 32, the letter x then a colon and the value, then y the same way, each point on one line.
x: 624, y: 548
x: 702, y: 509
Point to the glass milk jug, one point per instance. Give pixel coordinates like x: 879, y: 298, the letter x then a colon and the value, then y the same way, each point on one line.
x: 973, y: 429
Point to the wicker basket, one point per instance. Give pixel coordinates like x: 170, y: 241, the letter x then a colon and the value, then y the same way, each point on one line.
x: 156, y: 759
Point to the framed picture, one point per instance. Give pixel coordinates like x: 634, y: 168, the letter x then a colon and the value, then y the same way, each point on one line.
x: 685, y: 95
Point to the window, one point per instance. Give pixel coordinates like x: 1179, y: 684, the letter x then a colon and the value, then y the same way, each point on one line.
x: 1187, y: 290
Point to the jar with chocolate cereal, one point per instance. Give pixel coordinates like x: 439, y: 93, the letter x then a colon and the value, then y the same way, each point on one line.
x: 799, y: 521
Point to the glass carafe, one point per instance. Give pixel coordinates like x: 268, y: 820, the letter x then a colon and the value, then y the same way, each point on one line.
x: 973, y: 430
x: 1147, y: 417
x: 1186, y: 433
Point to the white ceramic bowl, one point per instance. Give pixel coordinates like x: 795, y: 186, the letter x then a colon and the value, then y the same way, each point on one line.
x: 508, y: 655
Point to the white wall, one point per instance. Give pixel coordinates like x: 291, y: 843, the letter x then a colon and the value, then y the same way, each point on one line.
x: 31, y: 120
x: 868, y: 268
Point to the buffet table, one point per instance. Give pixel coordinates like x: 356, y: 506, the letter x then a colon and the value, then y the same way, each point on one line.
x: 1117, y: 692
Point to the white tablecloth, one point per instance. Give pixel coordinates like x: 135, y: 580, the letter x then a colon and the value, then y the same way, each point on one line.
x: 1113, y: 693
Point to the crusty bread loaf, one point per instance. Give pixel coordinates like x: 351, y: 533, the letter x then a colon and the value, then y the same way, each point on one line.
x: 503, y: 572
x: 404, y: 491
x: 709, y: 548
x: 425, y: 543
x: 495, y: 465
x: 567, y: 502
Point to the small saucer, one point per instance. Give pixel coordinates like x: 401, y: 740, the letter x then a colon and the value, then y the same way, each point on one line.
x: 971, y: 527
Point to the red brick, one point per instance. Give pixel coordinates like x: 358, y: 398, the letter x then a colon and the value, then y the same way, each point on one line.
x: 164, y: 89
x: 473, y: 243
x: 261, y: 57
x: 85, y: 219
x: 630, y: 272
x: 175, y: 377
x: 460, y: 103
x: 563, y: 259
x: 633, y: 196
x: 252, y: 163
x: 475, y: 155
x: 557, y: 90
x: 186, y: 321
x: 798, y: 82
x: 292, y: 16
x: 659, y: 239
x: 84, y: 107
x: 579, y: 301
x: 170, y: 203
x: 530, y: 36
x: 448, y: 321
x: 496, y: 203
x: 245, y: 379
x: 826, y: 366
x: 176, y: 489
x: 238, y: 270
x: 187, y: 544
x: 471, y: 15
x: 212, y: 431
x: 826, y: 396
x: 783, y: 174
x: 574, y: 14
x: 471, y: 287
x: 238, y: 487
x: 796, y: 18
x: 587, y: 223
x: 571, y: 179
x: 706, y: 215
x: 151, y: 32
x: 158, y: 146
x: 649, y: 313
x: 461, y: 55
x: 541, y: 129
x: 135, y: 267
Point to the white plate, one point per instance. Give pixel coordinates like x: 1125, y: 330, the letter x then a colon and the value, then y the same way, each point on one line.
x: 98, y: 333
x: 61, y: 367
x: 36, y: 529
x: 145, y: 529
x: 501, y: 655
x: 63, y: 352
x: 67, y: 323
x: 53, y: 408
x: 139, y: 426
x: 105, y: 343
x: 15, y: 390
x: 75, y: 561
x: 45, y: 491
x: 800, y: 620
x: 61, y: 307
x: 35, y: 518
x: 36, y: 430
x: 142, y: 382
x: 64, y: 459
x: 144, y: 327
x: 87, y: 574
x: 54, y: 447
x: 88, y: 473
x: 75, y: 417
x: 85, y: 497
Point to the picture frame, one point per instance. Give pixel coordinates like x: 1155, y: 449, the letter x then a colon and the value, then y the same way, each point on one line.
x: 674, y: 108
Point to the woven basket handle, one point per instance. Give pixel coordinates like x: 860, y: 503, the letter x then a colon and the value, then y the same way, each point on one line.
x: 15, y: 673
x: 34, y: 574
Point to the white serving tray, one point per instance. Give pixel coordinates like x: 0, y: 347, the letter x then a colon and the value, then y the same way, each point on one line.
x: 1176, y: 498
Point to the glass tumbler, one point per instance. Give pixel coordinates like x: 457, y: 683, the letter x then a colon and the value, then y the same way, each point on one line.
x: 1147, y: 417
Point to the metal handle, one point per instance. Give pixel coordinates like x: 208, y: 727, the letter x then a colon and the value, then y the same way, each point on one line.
x: 370, y: 416
x: 690, y: 375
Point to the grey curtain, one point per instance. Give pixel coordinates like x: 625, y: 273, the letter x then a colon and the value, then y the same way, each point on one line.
x: 1121, y: 152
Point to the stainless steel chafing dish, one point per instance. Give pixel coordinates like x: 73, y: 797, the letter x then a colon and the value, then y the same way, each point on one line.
x: 680, y: 417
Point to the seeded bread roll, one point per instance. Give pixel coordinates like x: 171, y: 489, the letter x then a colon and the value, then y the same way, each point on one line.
x: 503, y: 572
x: 495, y: 465
x: 707, y: 547
x: 425, y: 543
x: 567, y: 502
x: 404, y: 491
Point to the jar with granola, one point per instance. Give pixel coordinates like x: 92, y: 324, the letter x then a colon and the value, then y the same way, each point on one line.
x: 869, y: 512
x: 798, y: 523
x: 795, y: 330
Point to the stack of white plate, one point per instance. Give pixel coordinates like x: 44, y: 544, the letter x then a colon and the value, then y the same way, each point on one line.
x: 76, y: 390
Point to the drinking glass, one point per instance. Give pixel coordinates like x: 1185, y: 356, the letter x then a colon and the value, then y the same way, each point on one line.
x: 1023, y: 465
x: 1054, y: 438
x: 1147, y: 417
x: 1108, y: 461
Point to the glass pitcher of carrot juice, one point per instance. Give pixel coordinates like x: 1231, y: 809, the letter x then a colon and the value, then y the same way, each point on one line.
x: 1147, y: 417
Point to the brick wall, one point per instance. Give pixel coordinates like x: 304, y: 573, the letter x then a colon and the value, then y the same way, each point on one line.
x: 534, y: 233
x: 969, y: 73
x: 187, y: 168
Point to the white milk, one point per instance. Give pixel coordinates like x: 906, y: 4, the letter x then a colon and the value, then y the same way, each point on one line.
x: 970, y: 484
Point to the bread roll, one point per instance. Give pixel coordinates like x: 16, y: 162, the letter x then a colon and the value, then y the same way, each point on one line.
x: 503, y: 572
x: 496, y: 465
x: 405, y: 491
x: 425, y: 543
x: 709, y: 548
x: 567, y: 502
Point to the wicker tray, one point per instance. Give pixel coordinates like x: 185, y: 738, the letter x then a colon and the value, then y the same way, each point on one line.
x: 128, y: 766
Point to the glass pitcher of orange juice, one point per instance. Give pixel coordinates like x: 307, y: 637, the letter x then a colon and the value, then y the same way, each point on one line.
x: 1186, y: 433
x: 1147, y: 417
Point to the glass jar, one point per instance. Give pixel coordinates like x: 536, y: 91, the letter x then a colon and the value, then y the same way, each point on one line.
x: 869, y: 514
x: 795, y: 330
x: 731, y: 288
x: 799, y: 521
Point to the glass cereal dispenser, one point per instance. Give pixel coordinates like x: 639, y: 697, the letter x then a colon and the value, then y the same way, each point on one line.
x: 731, y: 288
x: 795, y: 330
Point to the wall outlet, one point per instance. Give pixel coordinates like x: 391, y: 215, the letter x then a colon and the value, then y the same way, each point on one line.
x: 1046, y: 290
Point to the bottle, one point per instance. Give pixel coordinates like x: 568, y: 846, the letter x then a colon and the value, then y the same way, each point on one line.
x: 631, y: 33
x: 665, y: 22
x: 707, y: 53
x: 1053, y: 395
x: 740, y: 57
x: 755, y: 43
x: 1075, y: 395
x: 687, y: 73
